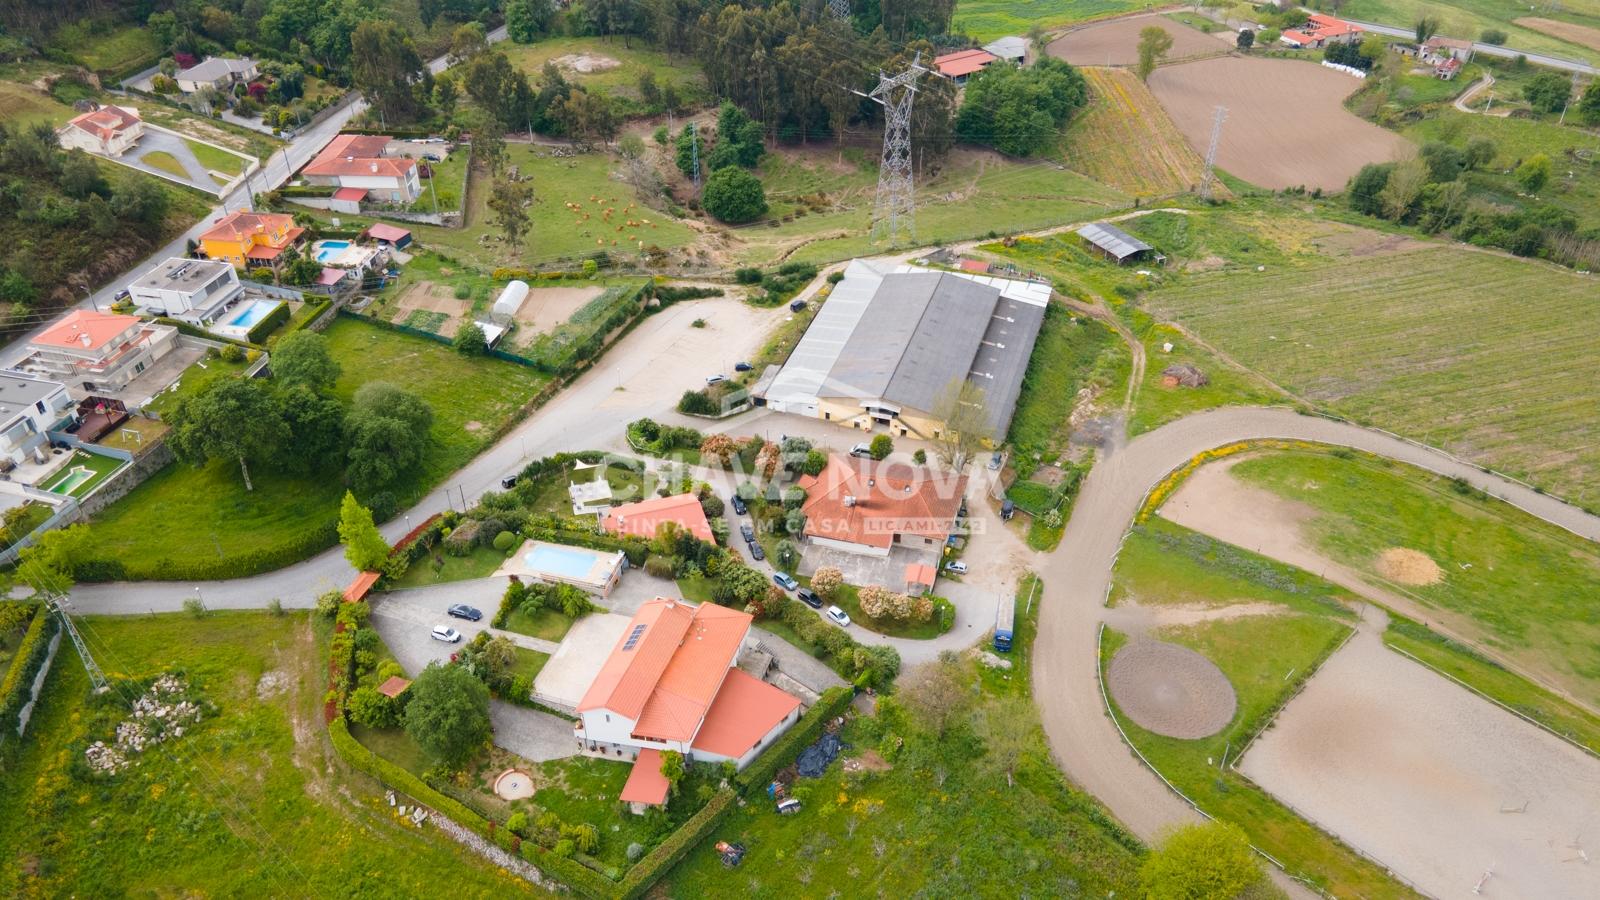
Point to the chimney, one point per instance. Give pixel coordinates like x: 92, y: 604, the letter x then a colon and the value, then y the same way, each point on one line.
x: 849, y: 501
x: 86, y: 339
x: 374, y: 166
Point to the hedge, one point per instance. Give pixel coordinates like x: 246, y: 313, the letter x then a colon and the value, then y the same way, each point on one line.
x: 647, y: 871
x: 198, y: 567
x: 756, y: 776
x: 197, y: 331
x: 259, y: 331
x: 575, y: 875
x: 18, y: 683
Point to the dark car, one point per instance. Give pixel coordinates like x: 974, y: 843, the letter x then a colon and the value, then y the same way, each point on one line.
x: 508, y: 482
x: 756, y: 552
x: 742, y: 367
x: 747, y: 532
x: 739, y: 505
x: 463, y: 611
x: 797, y: 306
x: 1008, y: 509
x: 809, y: 598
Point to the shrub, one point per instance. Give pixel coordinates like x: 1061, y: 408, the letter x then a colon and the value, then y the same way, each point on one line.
x: 504, y: 541
x: 17, y: 686
x: 659, y: 566
x: 518, y: 824
x: 370, y: 708
x: 920, y: 457
x: 747, y: 276
x: 734, y: 196
x: 882, y: 445
x: 231, y: 353
x: 825, y: 581
x: 328, y: 604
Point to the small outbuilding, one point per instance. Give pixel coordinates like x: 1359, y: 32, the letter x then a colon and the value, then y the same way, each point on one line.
x: 1115, y: 244
x: 511, y: 299
x: 394, y: 687
x: 391, y: 236
x: 1011, y: 48
x: 963, y: 64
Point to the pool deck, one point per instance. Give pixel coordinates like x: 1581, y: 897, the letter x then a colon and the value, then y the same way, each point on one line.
x: 541, y: 561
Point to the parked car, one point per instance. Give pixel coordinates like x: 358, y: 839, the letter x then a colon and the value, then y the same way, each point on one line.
x: 122, y: 295
x: 716, y: 379
x: 747, y: 532
x: 838, y: 617
x: 756, y: 553
x: 1008, y: 509
x: 861, y: 450
x: 809, y: 598
x: 508, y: 482
x: 446, y: 633
x: 785, y: 581
x: 956, y: 566
x: 797, y: 306
x: 463, y: 611
x: 995, y: 460
x: 742, y: 367
x: 739, y: 505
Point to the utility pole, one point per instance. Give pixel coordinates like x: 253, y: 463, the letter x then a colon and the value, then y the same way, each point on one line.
x: 894, y: 209
x: 694, y: 141
x: 1211, y: 153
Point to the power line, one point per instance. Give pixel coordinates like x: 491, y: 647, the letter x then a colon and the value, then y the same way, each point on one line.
x: 1211, y: 152
x: 895, y: 207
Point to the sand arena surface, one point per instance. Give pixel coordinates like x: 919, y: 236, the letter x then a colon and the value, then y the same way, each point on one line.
x: 1170, y: 690
x: 1405, y: 566
x: 1116, y: 43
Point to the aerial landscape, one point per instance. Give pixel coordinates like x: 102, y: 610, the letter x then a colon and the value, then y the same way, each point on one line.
x: 799, y: 448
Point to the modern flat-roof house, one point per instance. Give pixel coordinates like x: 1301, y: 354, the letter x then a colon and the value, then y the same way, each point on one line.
x: 250, y: 239
x: 196, y: 291
x: 644, y: 518
x: 870, y: 508
x: 1113, y: 243
x: 107, y: 131
x: 217, y: 72
x: 30, y: 408
x: 356, y: 161
x: 1320, y: 31
x: 95, y: 351
x: 891, y: 342
x: 596, y: 571
x: 963, y: 64
x: 671, y: 683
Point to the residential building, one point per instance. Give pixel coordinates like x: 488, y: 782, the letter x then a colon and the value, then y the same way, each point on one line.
x: 893, y: 343
x: 218, y: 72
x: 353, y: 161
x: 1320, y: 31
x: 107, y: 131
x: 871, y: 508
x: 196, y: 291
x: 30, y: 408
x: 645, y: 518
x: 97, y: 352
x: 963, y: 64
x: 671, y: 683
x: 251, y: 239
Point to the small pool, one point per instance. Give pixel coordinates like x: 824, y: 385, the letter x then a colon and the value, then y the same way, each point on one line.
x: 328, y: 251
x: 255, y: 312
x: 564, y: 562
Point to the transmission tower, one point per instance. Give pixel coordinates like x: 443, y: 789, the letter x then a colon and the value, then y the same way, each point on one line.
x: 1211, y: 153
x: 895, y: 209
x: 839, y: 9
x: 96, y: 677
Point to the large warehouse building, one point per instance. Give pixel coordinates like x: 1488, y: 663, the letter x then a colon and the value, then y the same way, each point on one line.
x: 892, y: 339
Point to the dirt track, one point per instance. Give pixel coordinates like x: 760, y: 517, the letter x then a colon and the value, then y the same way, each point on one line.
x: 1171, y: 690
x: 1115, y: 43
x: 1286, y: 126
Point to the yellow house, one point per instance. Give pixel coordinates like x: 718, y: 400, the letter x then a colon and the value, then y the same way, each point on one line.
x: 250, y: 240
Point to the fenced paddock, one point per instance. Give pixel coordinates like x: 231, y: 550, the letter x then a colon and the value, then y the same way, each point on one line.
x: 1438, y: 784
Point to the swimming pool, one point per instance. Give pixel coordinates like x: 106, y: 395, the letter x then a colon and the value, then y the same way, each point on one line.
x: 327, y: 251
x: 253, y: 313
x: 563, y: 562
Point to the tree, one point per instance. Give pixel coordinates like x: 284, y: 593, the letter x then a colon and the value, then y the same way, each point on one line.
x: 510, y: 201
x: 672, y: 769
x: 739, y: 140
x: 881, y: 446
x: 718, y: 448
x: 372, y: 709
x: 1246, y: 39
x: 1589, y: 106
x: 315, y: 424
x: 469, y: 340
x: 232, y: 418
x: 734, y: 196
x: 52, y: 559
x: 1019, y: 111
x: 80, y: 177
x: 1366, y: 187
x: 467, y: 41
x: 1154, y: 42
x: 1534, y: 173
x: 302, y: 358
x: 1425, y: 28
x: 586, y: 116
x: 1493, y: 36
x: 826, y: 581
x: 387, y: 434
x: 383, y: 66
x: 364, y: 547
x: 1203, y: 862
x: 962, y: 408
x: 1480, y: 152
x: 1399, y: 195
x: 936, y: 694
x: 1445, y: 162
x: 688, y: 141
x: 448, y: 714
x: 143, y: 201
x: 1547, y: 92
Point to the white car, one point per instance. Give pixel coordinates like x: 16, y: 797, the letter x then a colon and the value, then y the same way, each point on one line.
x: 446, y: 633
x: 716, y: 379
x: 956, y: 567
x: 838, y: 617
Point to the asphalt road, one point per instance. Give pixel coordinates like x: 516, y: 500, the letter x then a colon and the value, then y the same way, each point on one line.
x: 1538, y: 59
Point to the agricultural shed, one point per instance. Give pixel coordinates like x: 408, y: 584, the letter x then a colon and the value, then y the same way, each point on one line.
x: 960, y: 66
x: 1113, y: 242
x: 1010, y: 48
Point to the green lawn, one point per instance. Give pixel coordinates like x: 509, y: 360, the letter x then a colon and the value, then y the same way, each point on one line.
x: 195, y: 380
x: 549, y: 624
x: 1157, y: 404
x: 216, y: 159
x: 480, y: 563
x: 166, y: 162
x: 528, y: 662
x: 1265, y: 658
x: 251, y: 801
x: 986, y: 20
x: 22, y: 105
x: 254, y: 144
x: 182, y: 510
x: 105, y: 47
x: 447, y: 186
x: 100, y: 466
x: 1520, y: 585
x: 622, y: 81
x: 1073, y: 351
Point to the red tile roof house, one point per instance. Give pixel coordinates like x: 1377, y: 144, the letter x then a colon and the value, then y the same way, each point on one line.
x: 107, y: 131
x: 96, y: 351
x: 1320, y: 31
x: 644, y: 518
x: 872, y: 507
x: 961, y: 65
x: 357, y: 161
x: 670, y: 683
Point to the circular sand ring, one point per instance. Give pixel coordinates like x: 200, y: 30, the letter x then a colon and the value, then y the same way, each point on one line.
x: 1171, y: 690
x: 514, y: 784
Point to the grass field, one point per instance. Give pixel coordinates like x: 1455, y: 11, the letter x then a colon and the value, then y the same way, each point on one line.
x: 250, y: 143
x: 1467, y: 19
x: 938, y: 819
x: 207, y: 510
x: 217, y: 160
x: 986, y: 20
x: 481, y: 562
x: 1073, y: 351
x: 108, y: 48
x: 1125, y: 139
x: 1161, y: 564
x: 1156, y: 404
x: 22, y: 105
x: 1524, y: 587
x: 166, y: 162
x: 252, y: 801
x: 621, y: 81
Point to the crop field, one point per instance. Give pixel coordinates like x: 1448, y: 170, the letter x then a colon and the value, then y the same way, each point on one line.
x: 986, y: 20
x: 1582, y: 35
x: 1286, y: 126
x: 1116, y: 43
x: 1468, y: 18
x: 1494, y: 371
x: 1125, y: 139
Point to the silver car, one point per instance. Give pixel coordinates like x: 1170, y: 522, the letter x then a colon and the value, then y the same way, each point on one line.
x: 446, y: 633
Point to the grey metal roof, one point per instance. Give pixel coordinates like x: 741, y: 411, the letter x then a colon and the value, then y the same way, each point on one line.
x: 214, y: 67
x: 1010, y: 47
x: 1112, y: 239
x: 1002, y: 359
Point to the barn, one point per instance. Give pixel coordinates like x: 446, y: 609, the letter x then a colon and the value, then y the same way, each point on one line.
x: 1115, y: 244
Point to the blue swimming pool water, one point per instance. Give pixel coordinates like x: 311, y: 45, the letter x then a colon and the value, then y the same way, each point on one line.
x: 327, y: 250
x: 566, y: 562
x: 253, y: 313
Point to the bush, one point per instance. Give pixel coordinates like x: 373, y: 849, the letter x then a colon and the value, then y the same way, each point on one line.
x: 504, y: 541
x: 747, y: 276
x: 658, y: 566
x: 17, y: 686
x: 882, y: 445
x: 328, y: 603
x: 825, y: 581
x: 734, y: 196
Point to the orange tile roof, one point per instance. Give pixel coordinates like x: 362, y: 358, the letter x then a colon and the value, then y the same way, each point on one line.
x: 357, y: 145
x: 105, y: 121
x: 887, y: 499
x: 390, y: 233
x: 629, y: 675
x: 68, y: 331
x: 920, y: 573
x: 350, y: 193
x: 745, y: 710
x: 244, y: 224
x: 358, y: 154
x: 394, y: 687
x: 645, y: 783
x: 359, y: 588
x: 963, y: 62
x: 645, y: 517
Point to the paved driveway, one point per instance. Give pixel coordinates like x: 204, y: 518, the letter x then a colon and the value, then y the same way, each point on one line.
x: 155, y: 141
x: 533, y: 735
x: 405, y: 620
